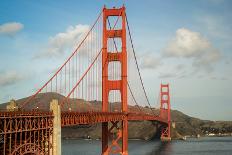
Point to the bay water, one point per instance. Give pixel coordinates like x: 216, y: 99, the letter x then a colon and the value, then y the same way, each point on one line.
x: 192, y: 146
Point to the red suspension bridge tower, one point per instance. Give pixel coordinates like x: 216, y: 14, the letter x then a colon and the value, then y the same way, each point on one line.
x: 165, y: 112
x: 121, y: 127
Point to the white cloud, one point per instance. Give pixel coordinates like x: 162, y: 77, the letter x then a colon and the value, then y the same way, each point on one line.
x: 173, y: 71
x: 205, y: 61
x: 10, y: 28
x: 189, y: 44
x: 63, y: 41
x: 166, y: 75
x: 148, y: 61
x: 9, y: 78
x: 179, y: 67
x: 218, y: 78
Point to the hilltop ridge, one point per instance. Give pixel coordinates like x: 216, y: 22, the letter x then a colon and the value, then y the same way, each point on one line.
x: 184, y: 124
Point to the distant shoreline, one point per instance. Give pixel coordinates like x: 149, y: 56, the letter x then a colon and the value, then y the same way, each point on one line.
x: 137, y: 139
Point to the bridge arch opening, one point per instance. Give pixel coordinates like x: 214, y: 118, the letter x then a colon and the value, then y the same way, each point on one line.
x: 114, y: 101
x: 27, y: 149
x: 114, y: 70
x: 114, y: 45
x: 114, y: 22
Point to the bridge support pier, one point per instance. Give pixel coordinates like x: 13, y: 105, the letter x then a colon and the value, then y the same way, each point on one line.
x: 56, y: 137
x: 165, y: 134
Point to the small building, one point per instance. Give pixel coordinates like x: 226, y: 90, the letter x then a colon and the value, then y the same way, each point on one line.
x: 12, y: 106
x: 211, y: 134
x: 173, y: 125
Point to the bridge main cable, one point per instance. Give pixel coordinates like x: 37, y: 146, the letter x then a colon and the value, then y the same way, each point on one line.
x: 75, y: 51
x: 73, y: 89
x: 140, y: 77
x: 130, y: 90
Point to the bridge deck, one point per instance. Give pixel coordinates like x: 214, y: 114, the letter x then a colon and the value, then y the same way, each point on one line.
x: 76, y: 118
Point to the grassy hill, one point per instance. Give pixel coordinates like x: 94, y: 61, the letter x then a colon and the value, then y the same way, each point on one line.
x: 184, y: 124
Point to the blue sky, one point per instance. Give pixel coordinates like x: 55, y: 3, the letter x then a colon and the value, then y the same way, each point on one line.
x: 184, y: 43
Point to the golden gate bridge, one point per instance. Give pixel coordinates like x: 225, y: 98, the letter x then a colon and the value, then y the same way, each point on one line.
x: 102, y: 71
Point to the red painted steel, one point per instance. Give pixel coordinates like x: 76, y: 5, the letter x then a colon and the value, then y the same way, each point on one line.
x: 82, y: 77
x: 64, y: 65
x: 77, y: 118
x: 26, y: 133
x: 165, y: 111
x: 121, y: 126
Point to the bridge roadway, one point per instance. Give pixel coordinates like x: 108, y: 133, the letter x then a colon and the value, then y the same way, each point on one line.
x: 75, y: 118
x: 79, y: 118
x: 39, y: 131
